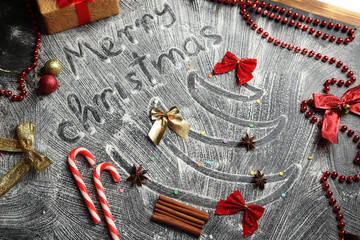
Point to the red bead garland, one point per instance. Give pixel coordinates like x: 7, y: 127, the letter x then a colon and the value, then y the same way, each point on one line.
x: 325, y: 36
x: 332, y: 200
x: 289, y: 13
x: 264, y: 8
x: 21, y: 79
x: 301, y: 22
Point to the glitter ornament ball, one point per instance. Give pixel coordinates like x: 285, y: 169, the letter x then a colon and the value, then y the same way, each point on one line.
x: 48, y: 84
x: 52, y: 67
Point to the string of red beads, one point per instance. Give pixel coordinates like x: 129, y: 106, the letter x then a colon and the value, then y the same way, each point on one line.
x: 302, y: 21
x: 265, y: 8
x: 21, y: 79
x: 332, y: 201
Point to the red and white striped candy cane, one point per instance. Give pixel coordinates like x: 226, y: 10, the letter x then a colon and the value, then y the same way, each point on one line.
x: 80, y: 181
x: 100, y: 190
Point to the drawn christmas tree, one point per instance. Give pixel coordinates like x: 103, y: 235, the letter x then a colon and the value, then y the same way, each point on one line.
x: 193, y: 79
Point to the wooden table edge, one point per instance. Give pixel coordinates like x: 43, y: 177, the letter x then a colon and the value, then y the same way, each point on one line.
x: 325, y: 10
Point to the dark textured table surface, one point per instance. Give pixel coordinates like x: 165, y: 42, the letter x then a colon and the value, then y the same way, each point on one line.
x: 116, y: 69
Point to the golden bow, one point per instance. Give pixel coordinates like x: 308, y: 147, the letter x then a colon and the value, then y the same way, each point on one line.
x: 26, y: 135
x: 172, y: 118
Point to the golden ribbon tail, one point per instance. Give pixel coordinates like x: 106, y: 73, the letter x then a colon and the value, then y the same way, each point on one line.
x: 180, y: 126
x: 12, y: 177
x: 158, y: 129
x: 26, y: 135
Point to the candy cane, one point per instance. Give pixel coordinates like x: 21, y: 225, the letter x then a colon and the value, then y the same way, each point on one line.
x: 100, y: 190
x: 80, y: 181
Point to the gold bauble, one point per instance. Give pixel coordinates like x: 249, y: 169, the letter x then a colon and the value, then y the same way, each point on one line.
x: 52, y: 67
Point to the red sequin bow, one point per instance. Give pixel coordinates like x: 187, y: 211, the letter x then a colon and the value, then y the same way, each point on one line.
x: 82, y: 9
x: 350, y: 102
x: 245, y: 67
x: 236, y: 203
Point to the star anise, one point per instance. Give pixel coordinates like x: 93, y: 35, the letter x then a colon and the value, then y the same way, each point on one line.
x: 249, y: 142
x: 137, y: 177
x: 259, y: 180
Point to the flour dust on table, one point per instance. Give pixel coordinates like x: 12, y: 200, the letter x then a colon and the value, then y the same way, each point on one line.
x: 159, y: 54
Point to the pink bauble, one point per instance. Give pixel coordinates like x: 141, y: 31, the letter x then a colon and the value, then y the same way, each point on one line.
x: 48, y: 84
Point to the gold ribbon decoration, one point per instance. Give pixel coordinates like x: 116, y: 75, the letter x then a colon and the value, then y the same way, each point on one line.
x: 172, y: 118
x: 26, y: 136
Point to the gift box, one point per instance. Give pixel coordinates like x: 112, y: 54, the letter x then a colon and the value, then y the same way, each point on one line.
x: 60, y: 15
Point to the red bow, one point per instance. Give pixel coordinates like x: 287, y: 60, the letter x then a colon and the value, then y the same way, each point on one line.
x: 350, y: 102
x: 236, y: 203
x: 82, y: 9
x: 245, y: 67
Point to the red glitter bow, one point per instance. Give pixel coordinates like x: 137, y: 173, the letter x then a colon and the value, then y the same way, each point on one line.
x: 82, y: 9
x: 245, y: 67
x: 236, y: 203
x: 350, y: 102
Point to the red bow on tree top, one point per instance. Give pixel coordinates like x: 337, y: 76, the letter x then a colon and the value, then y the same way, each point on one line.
x: 236, y: 203
x: 245, y: 67
x: 350, y: 102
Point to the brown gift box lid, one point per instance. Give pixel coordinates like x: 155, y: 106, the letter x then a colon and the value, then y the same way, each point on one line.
x: 59, y: 19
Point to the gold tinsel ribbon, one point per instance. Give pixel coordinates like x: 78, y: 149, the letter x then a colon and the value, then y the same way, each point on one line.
x: 33, y: 158
x: 172, y: 118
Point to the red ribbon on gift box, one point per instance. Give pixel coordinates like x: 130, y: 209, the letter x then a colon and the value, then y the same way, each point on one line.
x: 82, y: 9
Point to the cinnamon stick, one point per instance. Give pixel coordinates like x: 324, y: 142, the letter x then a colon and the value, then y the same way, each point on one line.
x: 176, y: 203
x: 179, y: 214
x: 186, y: 211
x: 176, y: 224
x: 179, y: 218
